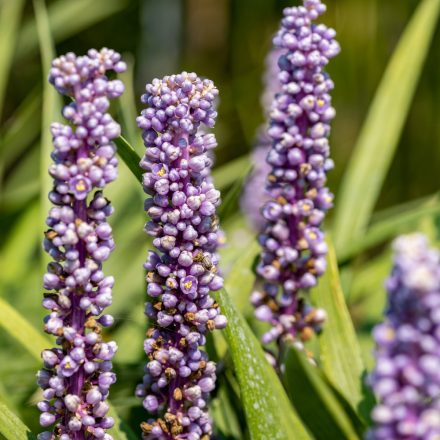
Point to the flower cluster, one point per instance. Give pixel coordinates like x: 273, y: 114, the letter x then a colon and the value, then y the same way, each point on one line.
x: 294, y: 249
x: 77, y: 374
x: 180, y: 275
x: 406, y: 378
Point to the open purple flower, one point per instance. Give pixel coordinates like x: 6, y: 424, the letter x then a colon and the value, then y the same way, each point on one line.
x: 294, y: 249
x: 182, y: 272
x: 406, y: 378
x: 77, y: 373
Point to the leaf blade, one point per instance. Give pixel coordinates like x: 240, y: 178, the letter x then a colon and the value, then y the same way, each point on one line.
x: 314, y: 399
x: 11, y: 427
x: 268, y: 411
x: 339, y: 350
x: 381, y: 131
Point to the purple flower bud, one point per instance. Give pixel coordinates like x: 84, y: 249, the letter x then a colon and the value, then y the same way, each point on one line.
x: 79, y: 239
x: 406, y: 377
x: 185, y: 232
x: 297, y: 156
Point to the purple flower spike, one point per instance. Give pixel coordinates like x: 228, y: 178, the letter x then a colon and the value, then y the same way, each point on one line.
x: 76, y: 376
x: 294, y: 250
x: 185, y: 231
x: 406, y: 379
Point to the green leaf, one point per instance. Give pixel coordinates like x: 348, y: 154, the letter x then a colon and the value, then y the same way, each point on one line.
x: 129, y: 156
x: 315, y: 401
x: 20, y: 245
x: 229, y: 204
x: 11, y: 427
x: 21, y: 129
x: 226, y: 174
x: 380, y: 134
x: 23, y: 332
x: 268, y: 411
x: 127, y: 105
x: 120, y: 430
x: 402, y: 221
x: 67, y: 18
x: 51, y: 104
x: 241, y: 278
x: 10, y: 15
x: 340, y: 354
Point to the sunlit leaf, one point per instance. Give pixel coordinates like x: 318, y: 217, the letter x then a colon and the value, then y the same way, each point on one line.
x: 380, y: 134
x: 10, y: 14
x: 339, y: 350
x: 268, y: 411
x: 67, y: 18
x: 11, y: 427
x: 315, y: 401
x: 403, y: 221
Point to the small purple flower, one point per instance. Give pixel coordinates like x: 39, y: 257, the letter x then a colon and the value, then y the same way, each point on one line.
x: 406, y: 378
x: 294, y: 250
x: 75, y: 378
x: 183, y: 270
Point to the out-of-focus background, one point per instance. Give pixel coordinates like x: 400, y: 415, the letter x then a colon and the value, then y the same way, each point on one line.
x: 226, y: 41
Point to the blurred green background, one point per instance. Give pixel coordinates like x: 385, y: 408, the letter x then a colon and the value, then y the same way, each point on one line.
x: 227, y: 41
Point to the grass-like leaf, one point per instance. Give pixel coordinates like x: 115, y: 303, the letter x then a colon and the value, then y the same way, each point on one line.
x: 67, y: 18
x: 339, y: 350
x: 10, y: 14
x: 268, y: 410
x: 11, y: 427
x: 129, y: 156
x: 22, y: 331
x: 380, y: 134
x: 241, y: 278
x: 51, y: 104
x: 315, y: 401
x: 226, y: 174
x: 403, y: 220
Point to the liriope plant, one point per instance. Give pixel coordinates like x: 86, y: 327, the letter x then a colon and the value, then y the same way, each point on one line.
x: 324, y: 399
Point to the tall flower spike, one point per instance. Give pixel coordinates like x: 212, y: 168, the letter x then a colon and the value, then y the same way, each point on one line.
x: 179, y: 376
x: 294, y: 250
x: 254, y: 193
x: 77, y: 374
x: 406, y: 378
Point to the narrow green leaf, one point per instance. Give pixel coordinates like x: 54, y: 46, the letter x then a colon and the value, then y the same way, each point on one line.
x: 226, y: 174
x: 21, y: 129
x: 120, y: 430
x: 380, y: 231
x: 23, y: 332
x: 241, y: 278
x: 127, y: 105
x: 129, y: 156
x: 17, y: 251
x: 67, y: 18
x: 11, y: 427
x: 229, y: 204
x: 268, y: 410
x: 314, y: 400
x: 380, y: 134
x: 10, y: 14
x: 339, y: 350
x: 51, y: 104
x: 224, y: 415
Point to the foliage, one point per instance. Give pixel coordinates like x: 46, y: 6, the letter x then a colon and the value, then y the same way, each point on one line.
x: 250, y: 401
